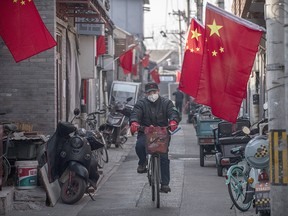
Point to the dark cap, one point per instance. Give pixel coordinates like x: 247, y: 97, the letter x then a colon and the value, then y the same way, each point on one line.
x: 151, y: 87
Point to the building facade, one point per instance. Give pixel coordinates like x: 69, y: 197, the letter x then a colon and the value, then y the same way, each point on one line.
x: 45, y: 88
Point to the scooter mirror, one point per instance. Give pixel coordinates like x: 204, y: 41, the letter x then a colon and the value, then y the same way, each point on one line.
x: 246, y: 130
x: 76, y: 111
x: 129, y: 99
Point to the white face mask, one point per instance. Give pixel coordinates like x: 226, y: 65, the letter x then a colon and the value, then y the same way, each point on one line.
x: 153, y: 97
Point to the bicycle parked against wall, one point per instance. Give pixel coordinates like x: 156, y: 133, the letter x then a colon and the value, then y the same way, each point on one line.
x: 248, y: 180
x: 237, y: 180
x: 157, y: 139
x: 8, y: 129
x: 101, y: 154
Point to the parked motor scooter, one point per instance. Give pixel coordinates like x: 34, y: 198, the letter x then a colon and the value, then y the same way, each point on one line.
x: 70, y: 160
x: 256, y: 153
x: 116, y: 126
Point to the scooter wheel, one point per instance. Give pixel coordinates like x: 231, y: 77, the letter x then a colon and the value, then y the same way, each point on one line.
x: 73, y: 190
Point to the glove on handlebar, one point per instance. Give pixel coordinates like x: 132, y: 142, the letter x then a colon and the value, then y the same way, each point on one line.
x: 134, y: 127
x: 173, y: 125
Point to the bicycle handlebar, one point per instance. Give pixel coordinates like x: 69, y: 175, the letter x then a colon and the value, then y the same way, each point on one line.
x: 166, y: 127
x: 92, y: 116
x: 97, y: 112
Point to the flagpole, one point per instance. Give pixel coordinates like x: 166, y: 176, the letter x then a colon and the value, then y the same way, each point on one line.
x: 110, y: 62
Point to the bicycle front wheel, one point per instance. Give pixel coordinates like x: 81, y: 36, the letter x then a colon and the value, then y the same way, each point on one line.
x: 152, y: 177
x: 105, y: 157
x: 237, y: 189
x: 157, y: 180
x: 104, y: 153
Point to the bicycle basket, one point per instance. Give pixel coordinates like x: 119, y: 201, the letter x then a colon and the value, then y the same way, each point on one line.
x: 157, y: 139
x: 93, y: 140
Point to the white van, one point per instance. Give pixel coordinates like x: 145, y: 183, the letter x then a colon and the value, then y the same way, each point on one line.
x: 122, y: 90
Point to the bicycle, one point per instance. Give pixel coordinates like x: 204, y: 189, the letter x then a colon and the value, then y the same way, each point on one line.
x: 157, y: 139
x: 237, y: 180
x: 9, y: 129
x: 101, y: 154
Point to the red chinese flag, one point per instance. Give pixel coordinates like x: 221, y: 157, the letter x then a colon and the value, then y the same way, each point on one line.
x: 145, y: 61
x: 191, y: 66
x: 229, y: 53
x: 126, y: 61
x: 23, y: 30
x: 155, y: 75
x: 101, y: 46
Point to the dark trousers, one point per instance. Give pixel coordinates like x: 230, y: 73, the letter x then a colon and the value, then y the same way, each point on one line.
x: 164, y: 160
x: 179, y: 106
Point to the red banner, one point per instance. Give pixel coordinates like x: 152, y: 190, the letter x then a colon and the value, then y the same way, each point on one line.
x: 23, y: 30
x: 145, y: 60
x: 100, y: 46
x: 155, y: 75
x: 126, y: 61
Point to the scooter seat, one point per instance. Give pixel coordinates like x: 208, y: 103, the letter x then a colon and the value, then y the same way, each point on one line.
x: 234, y: 140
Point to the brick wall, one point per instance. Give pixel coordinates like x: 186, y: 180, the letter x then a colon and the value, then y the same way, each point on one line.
x: 27, y: 88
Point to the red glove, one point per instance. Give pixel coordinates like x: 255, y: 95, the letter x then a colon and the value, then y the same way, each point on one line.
x: 173, y: 125
x: 134, y: 127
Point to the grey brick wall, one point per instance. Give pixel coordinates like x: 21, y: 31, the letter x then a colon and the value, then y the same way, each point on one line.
x: 28, y: 88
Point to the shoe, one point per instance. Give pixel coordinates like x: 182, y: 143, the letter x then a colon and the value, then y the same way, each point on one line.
x: 165, y: 188
x: 141, y: 169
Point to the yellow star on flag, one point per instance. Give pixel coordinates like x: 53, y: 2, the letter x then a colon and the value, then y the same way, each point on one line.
x: 214, y: 28
x: 214, y: 53
x: 195, y: 34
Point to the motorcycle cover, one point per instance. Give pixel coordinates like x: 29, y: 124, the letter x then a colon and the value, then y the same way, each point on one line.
x: 54, y: 146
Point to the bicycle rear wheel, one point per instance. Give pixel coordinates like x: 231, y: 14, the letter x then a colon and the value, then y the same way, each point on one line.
x: 237, y: 189
x: 98, y: 156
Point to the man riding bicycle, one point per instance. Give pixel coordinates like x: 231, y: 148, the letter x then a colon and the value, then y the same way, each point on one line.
x: 157, y: 111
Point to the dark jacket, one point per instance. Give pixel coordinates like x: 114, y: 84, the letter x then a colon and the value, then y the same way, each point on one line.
x: 179, y: 96
x: 159, y: 113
